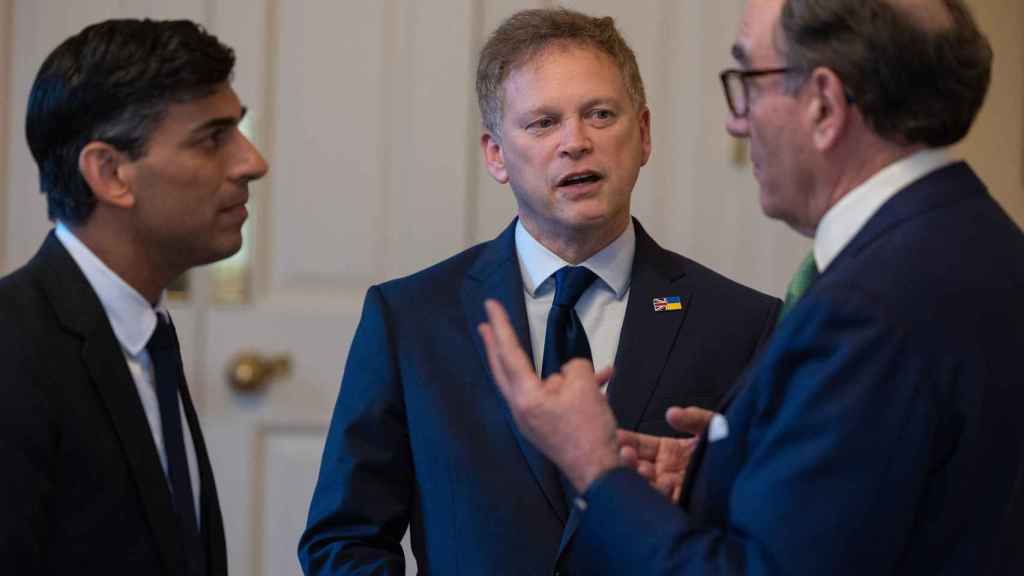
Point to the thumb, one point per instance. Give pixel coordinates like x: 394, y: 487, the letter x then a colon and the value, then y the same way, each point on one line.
x: 691, y: 419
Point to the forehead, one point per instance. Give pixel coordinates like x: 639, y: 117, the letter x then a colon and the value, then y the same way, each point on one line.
x: 184, y: 116
x: 756, y: 41
x: 563, y: 70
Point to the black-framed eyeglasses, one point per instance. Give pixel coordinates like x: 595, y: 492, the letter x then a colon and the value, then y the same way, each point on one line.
x: 734, y: 83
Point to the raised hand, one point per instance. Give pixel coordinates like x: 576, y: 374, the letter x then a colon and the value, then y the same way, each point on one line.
x: 565, y: 416
x: 663, y: 460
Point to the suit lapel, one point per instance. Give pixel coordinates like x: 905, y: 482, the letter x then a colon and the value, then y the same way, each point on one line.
x: 496, y: 275
x: 212, y: 524
x: 647, y: 337
x: 79, y: 310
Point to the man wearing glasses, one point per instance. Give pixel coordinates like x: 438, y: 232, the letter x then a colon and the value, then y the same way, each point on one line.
x: 879, y: 432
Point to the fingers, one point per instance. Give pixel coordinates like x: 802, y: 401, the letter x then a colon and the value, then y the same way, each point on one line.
x: 645, y: 445
x: 691, y: 419
x: 605, y: 375
x: 628, y: 457
x: 580, y: 369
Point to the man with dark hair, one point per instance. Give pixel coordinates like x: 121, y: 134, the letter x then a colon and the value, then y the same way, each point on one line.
x: 878, y: 433
x: 420, y: 436
x: 134, y: 126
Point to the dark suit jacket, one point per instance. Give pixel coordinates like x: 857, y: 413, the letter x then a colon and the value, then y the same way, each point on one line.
x: 82, y: 490
x: 421, y: 436
x: 880, y: 432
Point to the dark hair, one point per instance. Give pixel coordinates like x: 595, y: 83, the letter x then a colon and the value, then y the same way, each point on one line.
x: 113, y: 82
x: 914, y: 83
x: 525, y: 34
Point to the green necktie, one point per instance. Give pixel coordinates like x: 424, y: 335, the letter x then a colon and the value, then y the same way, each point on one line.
x: 805, y: 275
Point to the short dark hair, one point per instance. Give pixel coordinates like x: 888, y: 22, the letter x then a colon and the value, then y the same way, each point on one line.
x: 913, y: 83
x: 113, y: 82
x: 527, y: 33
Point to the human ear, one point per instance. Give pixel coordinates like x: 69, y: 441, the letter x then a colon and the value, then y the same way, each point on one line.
x: 494, y: 158
x: 102, y: 167
x: 829, y: 109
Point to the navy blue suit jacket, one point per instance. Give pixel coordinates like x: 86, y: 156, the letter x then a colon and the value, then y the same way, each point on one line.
x: 880, y: 432
x: 82, y: 490
x: 421, y: 437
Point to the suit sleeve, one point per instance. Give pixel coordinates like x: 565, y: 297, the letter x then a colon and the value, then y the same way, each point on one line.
x: 360, y: 507
x: 822, y: 475
x: 27, y: 440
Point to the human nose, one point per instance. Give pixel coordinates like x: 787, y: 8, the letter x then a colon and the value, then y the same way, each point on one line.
x: 575, y: 140
x: 737, y: 127
x: 251, y: 164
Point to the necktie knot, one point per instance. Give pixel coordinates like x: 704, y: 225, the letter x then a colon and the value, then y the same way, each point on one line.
x: 163, y: 337
x: 570, y: 283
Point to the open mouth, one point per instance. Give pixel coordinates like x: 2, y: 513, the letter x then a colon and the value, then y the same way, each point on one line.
x: 579, y: 178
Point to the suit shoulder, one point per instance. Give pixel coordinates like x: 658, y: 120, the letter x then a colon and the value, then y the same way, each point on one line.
x: 24, y: 316
x: 21, y: 300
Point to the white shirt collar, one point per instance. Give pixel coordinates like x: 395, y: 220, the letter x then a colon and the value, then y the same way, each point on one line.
x: 612, y: 264
x: 844, y: 220
x: 130, y: 315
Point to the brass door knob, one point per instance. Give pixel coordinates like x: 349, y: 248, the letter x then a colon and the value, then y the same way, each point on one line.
x: 250, y: 371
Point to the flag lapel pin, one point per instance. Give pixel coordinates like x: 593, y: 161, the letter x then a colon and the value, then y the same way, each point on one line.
x: 668, y: 304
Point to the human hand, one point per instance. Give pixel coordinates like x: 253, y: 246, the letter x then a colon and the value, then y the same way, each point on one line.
x: 662, y: 460
x: 565, y: 416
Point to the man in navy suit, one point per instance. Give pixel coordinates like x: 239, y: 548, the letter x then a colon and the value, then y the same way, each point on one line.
x: 134, y: 126
x: 880, y: 430
x: 420, y: 437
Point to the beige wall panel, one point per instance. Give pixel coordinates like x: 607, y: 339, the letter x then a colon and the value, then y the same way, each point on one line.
x: 431, y: 129
x: 329, y: 142
x: 995, y: 146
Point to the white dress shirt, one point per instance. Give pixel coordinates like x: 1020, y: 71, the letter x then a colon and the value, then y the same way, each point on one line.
x: 844, y: 220
x: 133, y: 321
x: 601, y: 308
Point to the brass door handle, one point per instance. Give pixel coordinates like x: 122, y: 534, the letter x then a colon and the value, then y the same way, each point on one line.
x: 250, y: 371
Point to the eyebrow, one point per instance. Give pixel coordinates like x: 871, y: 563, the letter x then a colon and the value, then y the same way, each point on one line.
x: 545, y: 110
x: 599, y: 101
x: 219, y: 122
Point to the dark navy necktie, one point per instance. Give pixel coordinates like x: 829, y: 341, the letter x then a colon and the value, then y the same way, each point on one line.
x: 170, y: 378
x: 565, y: 338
